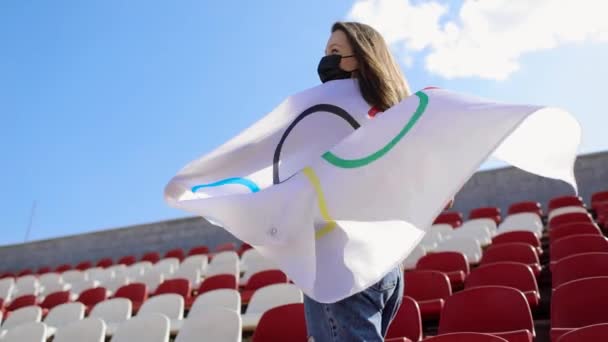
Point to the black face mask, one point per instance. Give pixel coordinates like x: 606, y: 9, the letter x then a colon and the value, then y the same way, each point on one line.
x: 329, y: 68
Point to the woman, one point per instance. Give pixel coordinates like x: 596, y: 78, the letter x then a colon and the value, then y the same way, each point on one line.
x: 358, y: 51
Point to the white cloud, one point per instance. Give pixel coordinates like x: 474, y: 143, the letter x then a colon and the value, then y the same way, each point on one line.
x: 487, y: 37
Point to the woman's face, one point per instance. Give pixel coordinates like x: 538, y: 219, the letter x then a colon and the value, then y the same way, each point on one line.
x: 338, y: 45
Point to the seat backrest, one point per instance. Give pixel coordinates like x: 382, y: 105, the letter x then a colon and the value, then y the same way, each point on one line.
x: 517, y: 236
x: 225, y: 256
x: 595, y: 332
x: 152, y: 279
x: 452, y: 218
x: 127, y: 260
x: 84, y: 265
x: 272, y: 296
x: 166, y: 266
x: 526, y: 207
x: 264, y: 278
x: 572, y: 215
x: 465, y: 337
x: 444, y: 262
x: 88, y: 329
x: 199, y: 260
x: 466, y: 245
x: 579, y: 303
x: 115, y: 310
x: 152, y: 257
x: 169, y: 304
x: 116, y: 283
x: 24, y: 315
x: 211, y: 324
x: 21, y: 302
x: 72, y: 276
x: 176, y: 253
x: 477, y: 223
x: 514, y: 252
x: 282, y: 323
x: 565, y: 201
x: 220, y: 281
x: 198, y: 250
x: 30, y: 332
x: 92, y: 296
x: 105, y: 262
x: 511, y: 274
x: 486, y: 212
x: 62, y: 268
x: 64, y: 314
x: 136, y: 292
x: 221, y: 298
x: 178, y: 286
x: 575, y: 244
x: 152, y: 327
x: 54, y: 299
x: 50, y: 278
x: 407, y: 321
x: 577, y: 266
x: 486, y: 309
x: 427, y: 285
x: 521, y: 221
x: 569, y: 229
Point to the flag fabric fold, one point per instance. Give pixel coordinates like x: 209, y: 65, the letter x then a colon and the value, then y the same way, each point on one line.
x: 337, y: 199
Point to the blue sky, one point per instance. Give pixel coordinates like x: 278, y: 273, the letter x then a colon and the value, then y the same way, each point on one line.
x: 103, y: 101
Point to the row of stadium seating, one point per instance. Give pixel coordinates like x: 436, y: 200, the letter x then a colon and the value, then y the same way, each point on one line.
x: 480, y: 279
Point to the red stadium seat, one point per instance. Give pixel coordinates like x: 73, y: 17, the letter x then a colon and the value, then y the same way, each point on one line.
x: 63, y: 268
x: 599, y: 199
x: 510, y: 274
x: 21, y: 302
x: 152, y: 257
x: 486, y: 212
x: 127, y: 260
x: 519, y: 236
x: 570, y: 229
x: 525, y: 207
x: 452, y: 218
x: 407, y: 322
x: 54, y: 299
x: 229, y: 246
x: 565, y: 201
x: 454, y: 264
x: 25, y: 272
x: 83, y: 266
x: 7, y: 275
x: 261, y: 279
x: 430, y: 289
x: 282, y: 323
x: 578, y: 303
x: 497, y: 310
x: 513, y: 252
x: 44, y: 270
x: 220, y: 281
x: 576, y: 244
x: 105, y: 262
x: 178, y: 286
x: 199, y: 250
x: 90, y: 297
x: 578, y: 266
x: 595, y: 332
x: 136, y: 292
x: 568, y: 218
x: 245, y: 246
x: 176, y: 253
x: 465, y: 337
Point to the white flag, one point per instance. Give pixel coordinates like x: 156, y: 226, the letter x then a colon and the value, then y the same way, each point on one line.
x: 337, y: 199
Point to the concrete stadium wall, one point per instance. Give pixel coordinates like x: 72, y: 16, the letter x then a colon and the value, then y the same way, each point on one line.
x: 498, y: 187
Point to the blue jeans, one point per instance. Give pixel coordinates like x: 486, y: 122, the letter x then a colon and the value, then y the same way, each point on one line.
x: 364, y: 316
